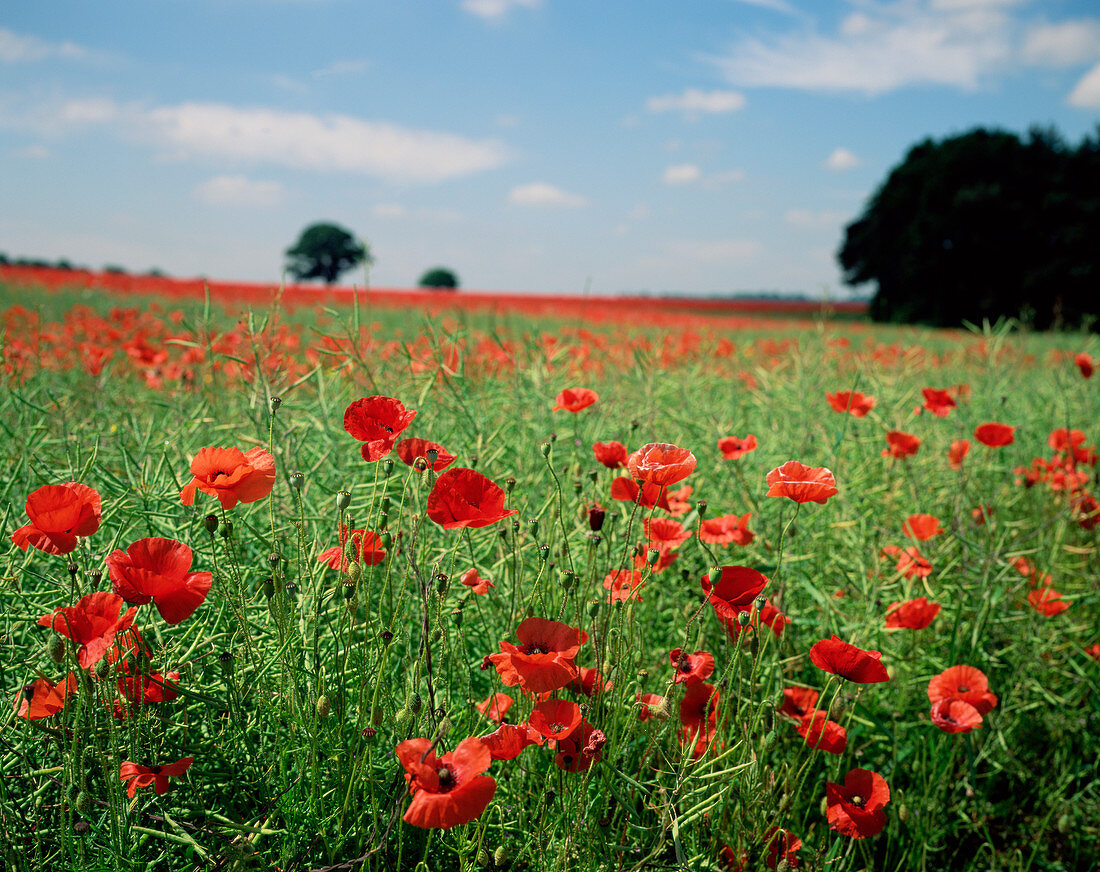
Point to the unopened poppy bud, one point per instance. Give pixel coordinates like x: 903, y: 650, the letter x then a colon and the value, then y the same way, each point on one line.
x: 500, y: 856
x: 441, y: 583
x: 275, y: 403
x: 596, y: 517
x: 323, y: 707
x: 55, y: 648
x: 355, y: 572
x: 420, y: 464
x: 444, y: 728
x: 81, y: 827
x: 754, y: 644
x: 387, y: 467
x: 343, y: 500
x: 226, y: 529
x: 269, y: 588
x: 533, y: 524
x: 437, y: 634
x: 544, y: 447
x: 102, y: 667
x: 211, y: 524
x: 544, y: 553
x: 903, y: 812
x: 401, y: 717
x: 653, y: 556
x: 415, y: 703
x: 297, y: 479
x: 83, y: 802
x: 783, y: 866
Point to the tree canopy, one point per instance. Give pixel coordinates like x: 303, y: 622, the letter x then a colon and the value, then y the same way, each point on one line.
x: 983, y: 225
x: 439, y: 277
x: 324, y: 251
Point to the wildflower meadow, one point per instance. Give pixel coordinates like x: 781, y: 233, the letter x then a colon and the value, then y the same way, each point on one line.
x: 325, y: 584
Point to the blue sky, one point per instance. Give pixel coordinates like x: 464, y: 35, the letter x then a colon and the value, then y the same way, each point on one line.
x: 625, y: 145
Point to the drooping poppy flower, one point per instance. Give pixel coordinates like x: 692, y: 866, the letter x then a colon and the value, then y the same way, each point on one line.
x: 509, y: 740
x: 914, y: 614
x: 734, y: 590
x: 1087, y: 510
x: 1047, y: 601
x: 981, y: 514
x: 734, y: 448
x: 1023, y: 566
x: 967, y: 683
x: 691, y: 668
x: 661, y: 464
x: 698, y: 716
x: 855, y: 808
x: 921, y: 527
x: 1085, y: 364
x: 1064, y: 440
x: 611, y: 454
x: 911, y: 563
x: 798, y: 702
x: 623, y: 585
x: 995, y: 434
x: 448, y: 790
x: 465, y: 498
x: 822, y: 733
x: 581, y: 748
x: 366, y: 546
x: 59, y: 513
x: 575, y: 399
x: 900, y: 445
x: 801, y: 483
x: 157, y: 776
x: 651, y: 705
x: 377, y: 421
x: 158, y: 570
x: 957, y: 452
x: 41, y: 699
x: 781, y: 846
x: 678, y: 501
x: 555, y: 718
x: 727, y: 529
x: 92, y: 624
x: 543, y: 661
x: 938, y: 402
x: 625, y: 489
x: 664, y: 534
x: 769, y: 616
x: 409, y: 450
x: 955, y: 715
x: 1093, y: 650
x: 589, y: 682
x: 495, y: 706
x: 475, y: 582
x: 846, y: 660
x: 853, y: 402
x: 231, y: 475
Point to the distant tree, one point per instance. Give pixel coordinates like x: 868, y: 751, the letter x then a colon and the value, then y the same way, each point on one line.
x: 983, y: 225
x: 324, y: 251
x: 115, y: 269
x: 439, y: 277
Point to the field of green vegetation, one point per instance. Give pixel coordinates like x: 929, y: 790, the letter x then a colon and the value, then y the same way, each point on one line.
x: 255, y: 616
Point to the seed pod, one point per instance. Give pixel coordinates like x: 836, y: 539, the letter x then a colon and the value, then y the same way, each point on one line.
x: 544, y: 553
x: 544, y: 447
x: 701, y: 508
x: 269, y: 588
x: 227, y: 529
x: 441, y: 583
x: 211, y: 524
x: 81, y: 827
x: 343, y: 500
x: 297, y: 479
x: 593, y: 608
x: 533, y: 526
x: 275, y: 403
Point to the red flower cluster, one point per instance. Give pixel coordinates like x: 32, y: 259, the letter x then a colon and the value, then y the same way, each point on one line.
x: 995, y: 434
x: 900, y: 445
x: 727, y: 529
x: 960, y: 697
x: 366, y: 548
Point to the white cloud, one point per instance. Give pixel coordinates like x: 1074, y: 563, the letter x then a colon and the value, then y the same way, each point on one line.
x: 238, y: 191
x: 842, y: 159
x: 694, y: 102
x: 493, y: 10
x: 774, y: 5
x: 17, y: 49
x: 883, y: 48
x: 826, y: 220
x: 681, y: 174
x: 715, y: 250
x: 1064, y: 44
x: 342, y: 68
x: 1086, y: 94
x: 542, y: 194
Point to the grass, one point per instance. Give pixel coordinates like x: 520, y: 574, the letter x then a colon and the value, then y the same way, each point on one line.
x: 297, y: 681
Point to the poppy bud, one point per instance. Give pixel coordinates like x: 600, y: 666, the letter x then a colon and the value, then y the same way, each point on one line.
x: 227, y: 529
x: 83, y: 803
x: 445, y: 727
x: 401, y: 717
x: 343, y: 500
x: 386, y: 538
x: 437, y: 634
x: 533, y: 524
x: 323, y: 707
x: 596, y: 517
x: 903, y: 812
x: 783, y: 866
x: 211, y: 524
x: 415, y: 703
x: 102, y: 667
x: 420, y: 464
x: 275, y: 403
x: 754, y: 644
x: 55, y: 648
x: 269, y: 588
x: 544, y: 447
x: 81, y: 827
x: 355, y: 572
x: 387, y: 467
x: 500, y: 856
x: 544, y: 553
x: 578, y: 485
x: 225, y: 660
x: 297, y: 479
x: 701, y: 508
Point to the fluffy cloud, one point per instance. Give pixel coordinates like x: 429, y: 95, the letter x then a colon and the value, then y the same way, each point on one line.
x: 1086, y: 94
x: 542, y: 194
x: 495, y: 9
x: 17, y: 49
x: 842, y: 159
x: 694, y: 102
x: 681, y: 174
x: 238, y: 191
x: 1064, y: 44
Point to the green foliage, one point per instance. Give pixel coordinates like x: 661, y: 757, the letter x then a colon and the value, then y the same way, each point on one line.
x: 439, y: 277
x: 325, y: 251
x: 980, y: 226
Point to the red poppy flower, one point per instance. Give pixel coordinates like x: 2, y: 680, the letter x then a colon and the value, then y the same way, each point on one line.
x: 771, y: 617
x: 648, y: 495
x: 966, y: 683
x: 698, y: 716
x: 900, y: 445
x: 726, y: 529
x: 734, y: 448
x: 661, y: 464
x: 1064, y: 440
x: 1086, y: 364
x: 366, y: 545
x: 691, y: 668
x: 43, y: 699
x: 624, y: 585
x: 575, y: 399
x: 555, y: 718
x: 611, y: 454
x: 589, y: 682
x: 92, y: 623
x: 1093, y: 651
x: 734, y: 591
x: 448, y: 790
x: 994, y: 434
x: 1047, y: 601
x: 846, y: 660
x: 157, y: 569
x: 543, y: 661
x: 958, y: 450
x: 664, y: 534
x: 981, y: 514
x: 144, y: 776
x: 509, y: 740
x: 1087, y: 509
x: 1023, y: 566
x: 955, y: 716
x: 801, y: 483
x: 581, y: 748
x: 911, y: 563
x: 59, y: 513
x: 855, y: 808
x: 652, y: 705
x: 377, y: 421
x: 495, y: 707
x: 921, y: 527
x: 798, y: 702
x: 475, y: 582
x: 781, y: 846
x: 411, y: 449
x: 914, y: 614
x: 822, y: 733
x: 938, y: 402
x: 231, y: 475
x: 465, y: 498
x: 678, y: 501
x: 850, y: 401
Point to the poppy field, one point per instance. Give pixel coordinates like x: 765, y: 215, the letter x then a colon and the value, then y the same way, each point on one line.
x: 349, y: 585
